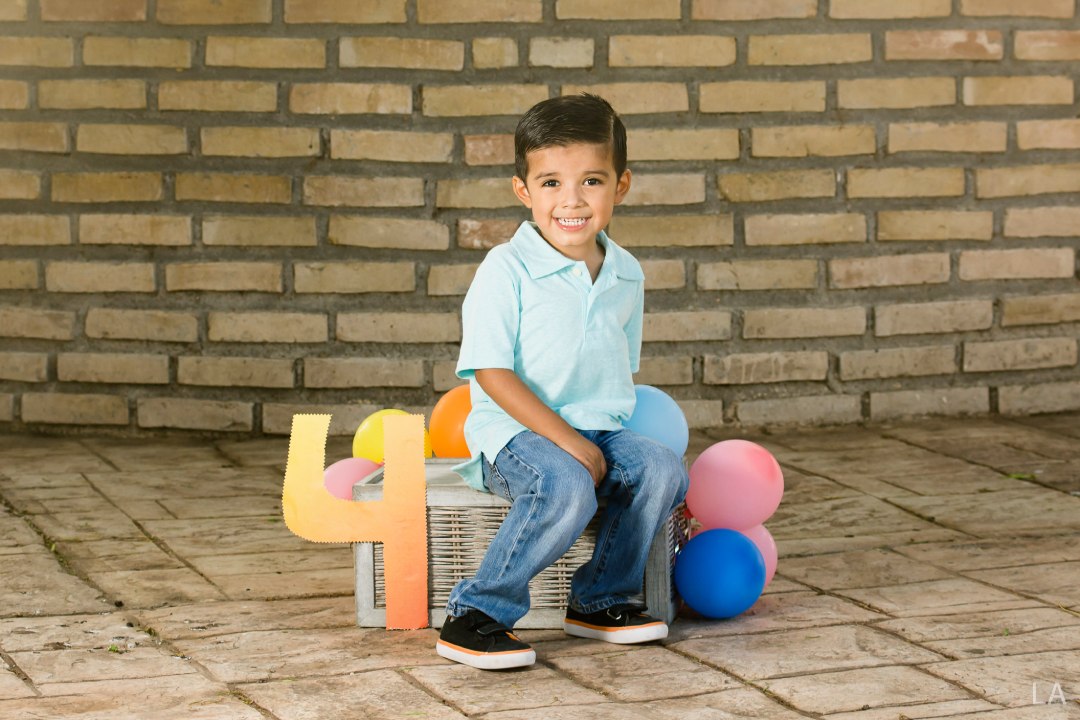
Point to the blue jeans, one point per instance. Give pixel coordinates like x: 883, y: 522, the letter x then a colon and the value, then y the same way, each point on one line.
x: 552, y: 500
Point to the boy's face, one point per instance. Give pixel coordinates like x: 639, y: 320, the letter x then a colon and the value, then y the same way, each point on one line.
x: 572, y: 191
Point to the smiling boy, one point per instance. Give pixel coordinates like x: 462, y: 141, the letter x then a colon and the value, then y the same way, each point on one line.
x: 551, y: 336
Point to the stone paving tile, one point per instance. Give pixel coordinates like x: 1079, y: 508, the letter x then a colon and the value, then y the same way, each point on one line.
x: 153, y: 588
x: 646, y: 673
x: 11, y: 685
x: 249, y: 453
x: 862, y: 540
x: 1060, y: 423
x: 865, y: 568
x: 139, y: 454
x: 867, y: 688
x: 37, y: 585
x: 996, y: 553
x: 376, y: 695
x: 16, y: 537
x: 317, y: 556
x: 848, y: 438
x: 559, y: 711
x: 224, y: 618
x: 726, y: 705
x: 31, y: 454
x: 70, y: 631
x: 990, y: 442
x: 237, y: 506
x: 1007, y: 680
x: 946, y: 708
x: 1064, y: 476
x: 798, y: 652
x: 87, y: 664
x: 937, y: 597
x: 32, y: 499
x: 200, y: 483
x: 1056, y: 583
x: 306, y: 583
x: 800, y: 488
x: 979, y: 624
x: 970, y: 480
x: 90, y: 525
x: 533, y: 687
x: 142, y: 509
x: 108, y: 555
x: 1031, y: 712
x: 1008, y: 510
x: 1067, y: 638
x: 225, y: 536
x: 842, y: 517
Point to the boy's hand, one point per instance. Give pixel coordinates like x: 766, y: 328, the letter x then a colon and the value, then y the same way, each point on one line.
x: 588, y: 455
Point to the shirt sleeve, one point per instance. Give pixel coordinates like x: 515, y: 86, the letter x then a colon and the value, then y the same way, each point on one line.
x: 633, y: 328
x: 490, y: 316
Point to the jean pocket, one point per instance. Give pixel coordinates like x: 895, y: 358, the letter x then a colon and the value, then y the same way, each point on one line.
x: 495, y: 482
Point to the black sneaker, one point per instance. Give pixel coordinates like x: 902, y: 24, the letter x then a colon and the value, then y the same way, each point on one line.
x: 476, y: 640
x: 622, y: 624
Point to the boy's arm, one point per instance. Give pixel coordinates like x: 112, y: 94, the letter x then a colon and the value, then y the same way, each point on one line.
x: 519, y: 402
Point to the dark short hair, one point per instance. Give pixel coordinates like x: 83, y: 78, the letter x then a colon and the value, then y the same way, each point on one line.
x: 567, y: 120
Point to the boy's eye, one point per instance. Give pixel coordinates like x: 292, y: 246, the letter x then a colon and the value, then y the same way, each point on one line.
x: 593, y: 181
x: 550, y: 183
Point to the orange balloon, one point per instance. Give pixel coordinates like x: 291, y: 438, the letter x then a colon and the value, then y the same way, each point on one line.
x: 448, y: 424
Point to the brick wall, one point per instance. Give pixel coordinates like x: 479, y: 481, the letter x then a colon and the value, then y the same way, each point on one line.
x: 215, y: 213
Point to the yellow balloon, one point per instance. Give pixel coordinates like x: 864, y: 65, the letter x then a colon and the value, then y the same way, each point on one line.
x: 368, y: 440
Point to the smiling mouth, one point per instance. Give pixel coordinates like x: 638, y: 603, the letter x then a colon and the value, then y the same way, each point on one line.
x: 571, y: 223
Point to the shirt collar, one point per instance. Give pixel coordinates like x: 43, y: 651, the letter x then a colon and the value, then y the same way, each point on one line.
x: 541, y: 259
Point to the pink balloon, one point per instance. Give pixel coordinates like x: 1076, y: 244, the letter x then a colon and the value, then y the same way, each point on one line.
x: 765, y: 543
x: 734, y: 484
x: 340, y: 477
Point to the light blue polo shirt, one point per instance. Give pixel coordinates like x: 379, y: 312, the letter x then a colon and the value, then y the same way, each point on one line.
x: 574, y: 343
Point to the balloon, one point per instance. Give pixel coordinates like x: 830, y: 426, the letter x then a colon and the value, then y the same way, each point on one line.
x: 765, y: 544
x: 368, y: 440
x: 734, y: 484
x: 659, y: 417
x: 340, y: 477
x: 720, y: 573
x: 448, y: 424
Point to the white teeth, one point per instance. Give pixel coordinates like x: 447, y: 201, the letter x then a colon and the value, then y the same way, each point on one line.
x: 572, y: 221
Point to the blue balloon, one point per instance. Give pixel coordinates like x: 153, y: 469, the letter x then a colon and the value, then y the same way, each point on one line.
x: 720, y: 573
x: 659, y: 417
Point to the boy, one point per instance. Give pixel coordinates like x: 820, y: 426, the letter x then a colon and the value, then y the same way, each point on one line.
x: 552, y: 332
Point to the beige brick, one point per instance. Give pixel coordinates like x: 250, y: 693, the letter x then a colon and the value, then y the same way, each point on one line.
x: 13, y: 11
x: 889, y: 270
x: 561, y: 52
x: 34, y: 230
x: 930, y: 401
x: 391, y: 146
x: 1027, y: 180
x: 951, y: 316
x: 235, y: 188
x: 746, y: 96
x: 665, y: 371
x: 1040, y: 309
x: 74, y: 409
x: 1031, y: 8
x: 132, y: 139
x: 153, y: 325
x: 345, y: 12
x: 782, y: 185
x: 806, y: 410
x: 898, y: 362
x: 24, y: 366
x: 1026, y: 354
x: 37, y: 51
x: 687, y: 326
x: 1047, y: 45
x: 383, y: 232
x: 251, y: 52
x: 479, y: 193
x: 91, y: 94
x: 484, y: 234
x: 935, y: 225
x: 813, y: 141
x: 1017, y: 264
x: 403, y: 327
x: 120, y: 368
x: 354, y: 277
x: 118, y: 229
x: 888, y: 9
x: 752, y: 9
x: 7, y: 407
x: 1027, y: 90
x: 664, y: 274
x: 99, y: 277
x: 944, y: 45
x: 223, y: 277
x: 342, y: 191
x: 806, y: 228
x: 467, y: 100
x: 107, y: 187
x: 974, y: 137
x: 407, y: 53
x: 905, y: 182
x: 19, y: 185
x: 267, y: 327
x: 14, y: 95
x: 34, y: 137
x: 489, y: 149
x: 703, y: 144
x: 214, y: 12
x: 1042, y: 398
x: 450, y: 279
x: 18, y: 275
x: 630, y: 98
x: 670, y: 51
x: 33, y: 323
x: 235, y: 372
x: 702, y: 414
x: 186, y: 414
x: 775, y: 323
x: 259, y: 230
x: 824, y: 49
x: 218, y: 96
x: 759, y: 368
x: 758, y: 275
x: 350, y: 98
x: 673, y: 230
x: 493, y: 53
x: 137, y: 52
x: 896, y: 93
x: 1048, y: 134
x: 443, y: 376
x: 273, y: 142
x: 476, y: 11
x: 1042, y: 222
x: 615, y: 10
x: 666, y: 189
x: 362, y: 372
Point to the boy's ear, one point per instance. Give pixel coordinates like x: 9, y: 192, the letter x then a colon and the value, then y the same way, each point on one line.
x: 622, y: 187
x: 522, y: 192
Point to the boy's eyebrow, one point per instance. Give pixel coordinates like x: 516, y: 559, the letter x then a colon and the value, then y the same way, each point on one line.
x: 555, y: 173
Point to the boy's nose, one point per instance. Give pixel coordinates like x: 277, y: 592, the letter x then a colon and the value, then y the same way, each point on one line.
x: 572, y: 197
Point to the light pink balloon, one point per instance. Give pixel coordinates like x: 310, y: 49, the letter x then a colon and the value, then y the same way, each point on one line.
x: 765, y: 543
x: 340, y: 477
x: 734, y: 484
